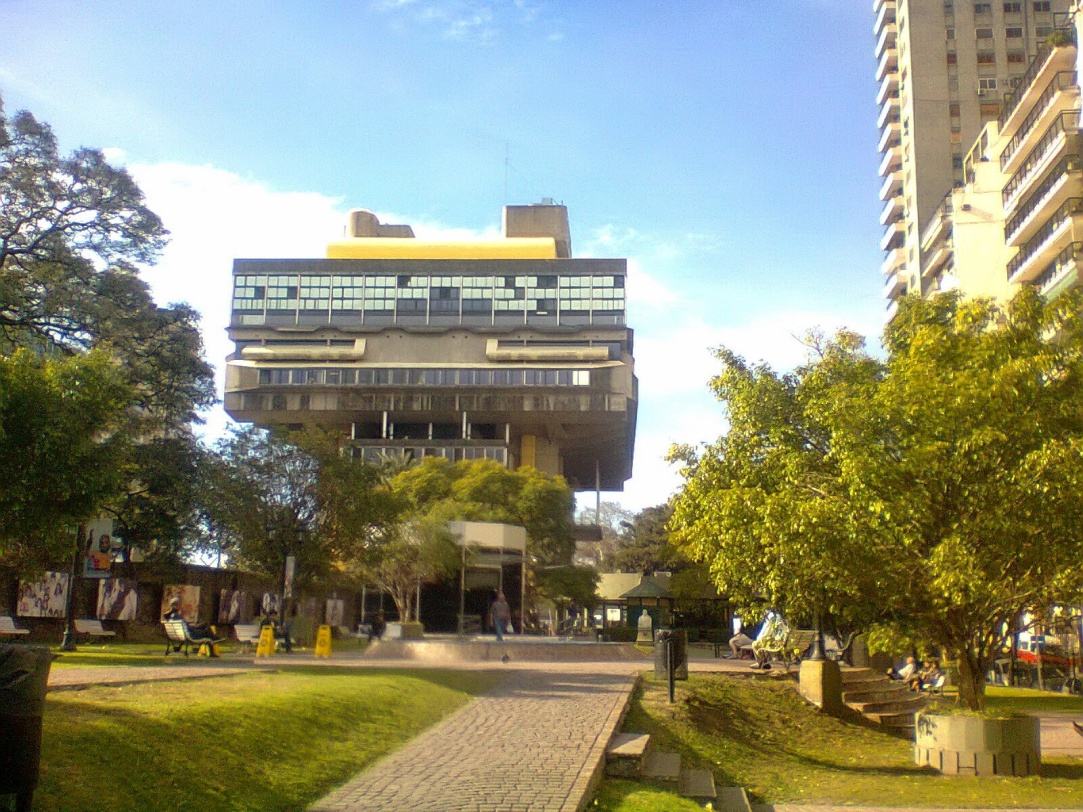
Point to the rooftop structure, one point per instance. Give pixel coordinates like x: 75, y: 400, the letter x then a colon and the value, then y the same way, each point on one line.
x: 507, y: 349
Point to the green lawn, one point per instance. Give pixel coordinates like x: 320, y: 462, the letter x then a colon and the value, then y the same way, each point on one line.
x: 251, y: 741
x: 755, y: 732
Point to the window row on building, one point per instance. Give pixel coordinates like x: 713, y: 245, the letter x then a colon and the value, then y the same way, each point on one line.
x: 323, y: 376
x: 433, y: 401
x: 258, y: 292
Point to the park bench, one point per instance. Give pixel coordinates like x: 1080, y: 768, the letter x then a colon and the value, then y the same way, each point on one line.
x: 789, y: 646
x: 178, y: 634
x: 717, y: 638
x: 92, y: 628
x: 247, y: 634
x: 7, y: 626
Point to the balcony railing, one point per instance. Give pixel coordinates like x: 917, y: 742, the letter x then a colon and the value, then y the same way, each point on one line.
x: 943, y: 211
x: 1011, y: 101
x: 1061, y: 81
x: 1035, y: 244
x: 1069, y: 256
x: 1035, y: 201
x: 1066, y: 122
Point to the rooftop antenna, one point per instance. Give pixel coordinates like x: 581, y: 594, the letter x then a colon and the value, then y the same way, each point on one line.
x: 507, y: 163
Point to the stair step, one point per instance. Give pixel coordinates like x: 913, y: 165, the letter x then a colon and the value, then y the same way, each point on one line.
x: 851, y: 674
x: 732, y: 799
x: 662, y: 766
x: 698, y: 784
x: 893, y: 719
x: 896, y: 706
x: 625, y: 754
x: 884, y: 694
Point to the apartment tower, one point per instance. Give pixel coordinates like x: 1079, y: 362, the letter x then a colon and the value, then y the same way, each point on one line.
x: 944, y: 69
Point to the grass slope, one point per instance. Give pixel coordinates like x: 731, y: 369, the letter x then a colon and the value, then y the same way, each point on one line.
x: 757, y: 733
x: 253, y: 741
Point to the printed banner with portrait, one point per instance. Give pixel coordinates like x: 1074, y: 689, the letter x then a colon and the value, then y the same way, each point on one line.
x: 335, y: 611
x: 46, y: 597
x: 188, y: 597
x: 98, y: 549
x: 235, y: 607
x: 117, y: 599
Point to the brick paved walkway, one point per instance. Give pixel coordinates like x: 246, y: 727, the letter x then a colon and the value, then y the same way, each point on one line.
x: 535, y: 743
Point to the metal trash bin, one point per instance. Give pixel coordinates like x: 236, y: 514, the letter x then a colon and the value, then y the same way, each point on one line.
x: 24, y: 676
x: 680, y: 653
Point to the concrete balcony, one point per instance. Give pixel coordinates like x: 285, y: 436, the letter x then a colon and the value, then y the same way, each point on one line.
x: 885, y: 15
x: 1059, y: 138
x: 891, y: 162
x: 892, y: 211
x: 1058, y: 187
x: 1035, y: 257
x: 895, y: 285
x: 1060, y: 95
x: 939, y: 259
x: 894, y: 261
x: 889, y: 63
x: 885, y: 41
x: 1019, y: 102
x: 1062, y: 274
x: 454, y: 450
x: 939, y: 226
x: 892, y: 185
x: 894, y: 235
x: 889, y: 137
x: 887, y: 87
x: 889, y: 111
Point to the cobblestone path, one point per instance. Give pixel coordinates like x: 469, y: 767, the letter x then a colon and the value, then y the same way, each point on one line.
x: 535, y: 743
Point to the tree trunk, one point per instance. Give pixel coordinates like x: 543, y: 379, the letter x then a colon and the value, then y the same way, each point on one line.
x: 404, y: 605
x: 971, y: 679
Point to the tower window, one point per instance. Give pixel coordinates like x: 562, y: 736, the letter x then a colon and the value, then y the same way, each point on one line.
x: 986, y: 8
x: 1013, y: 8
x: 984, y: 33
x: 1015, y: 32
x: 1042, y: 5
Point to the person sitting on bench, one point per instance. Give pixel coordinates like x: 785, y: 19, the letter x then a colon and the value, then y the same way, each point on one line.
x: 203, y: 632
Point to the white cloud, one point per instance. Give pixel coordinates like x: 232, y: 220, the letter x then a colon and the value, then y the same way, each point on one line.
x: 473, y: 20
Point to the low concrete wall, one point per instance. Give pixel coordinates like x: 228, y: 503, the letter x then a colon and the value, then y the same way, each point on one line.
x: 973, y: 745
x: 523, y: 650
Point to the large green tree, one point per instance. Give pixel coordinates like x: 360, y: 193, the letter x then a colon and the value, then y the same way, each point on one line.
x: 64, y: 453
x: 74, y: 231
x: 933, y: 494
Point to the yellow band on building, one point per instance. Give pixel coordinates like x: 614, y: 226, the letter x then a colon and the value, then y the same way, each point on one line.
x: 381, y: 248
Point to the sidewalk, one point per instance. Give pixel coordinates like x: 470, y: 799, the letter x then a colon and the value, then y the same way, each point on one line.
x: 534, y: 743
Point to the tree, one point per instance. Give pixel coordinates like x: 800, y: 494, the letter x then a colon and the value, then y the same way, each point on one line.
x: 62, y: 453
x: 933, y: 494
x: 486, y: 491
x: 73, y: 232
x: 260, y: 497
x: 645, y: 546
x: 567, y: 585
x: 610, y: 521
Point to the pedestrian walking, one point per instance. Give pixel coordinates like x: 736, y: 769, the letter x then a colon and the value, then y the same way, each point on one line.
x: 500, y: 614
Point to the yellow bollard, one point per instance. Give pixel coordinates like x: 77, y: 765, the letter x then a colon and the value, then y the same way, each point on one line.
x: 266, y: 645
x: 323, y: 641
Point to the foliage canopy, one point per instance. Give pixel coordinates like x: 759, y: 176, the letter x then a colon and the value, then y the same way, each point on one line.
x: 933, y: 494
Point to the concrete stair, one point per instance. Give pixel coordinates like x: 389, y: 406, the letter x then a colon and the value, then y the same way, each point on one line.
x: 888, y: 703
x: 630, y: 755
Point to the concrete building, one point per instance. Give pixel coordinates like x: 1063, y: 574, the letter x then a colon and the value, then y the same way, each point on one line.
x: 1018, y: 217
x: 945, y: 68
x: 507, y: 349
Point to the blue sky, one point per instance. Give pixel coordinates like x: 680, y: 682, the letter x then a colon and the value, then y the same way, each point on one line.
x: 727, y: 148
